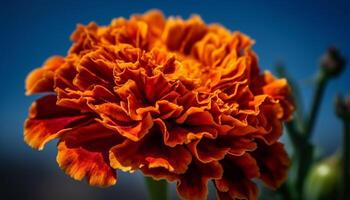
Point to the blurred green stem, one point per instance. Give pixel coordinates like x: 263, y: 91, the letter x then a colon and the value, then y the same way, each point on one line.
x: 157, y: 190
x: 316, y: 102
x: 303, y: 158
x: 346, y: 161
x: 293, y: 133
x: 285, y: 192
x: 302, y: 147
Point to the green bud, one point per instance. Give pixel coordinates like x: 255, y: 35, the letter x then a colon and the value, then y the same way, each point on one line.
x: 342, y: 107
x: 332, y: 63
x: 323, y: 180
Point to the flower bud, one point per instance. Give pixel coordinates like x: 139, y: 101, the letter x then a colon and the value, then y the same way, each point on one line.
x: 332, y: 63
x: 323, y: 180
x: 342, y: 107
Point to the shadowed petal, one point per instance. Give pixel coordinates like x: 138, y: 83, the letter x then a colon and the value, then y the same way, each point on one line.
x: 149, y: 152
x: 194, y: 183
x: 273, y: 162
x: 41, y: 79
x: 48, y: 121
x: 236, y: 182
x: 83, y: 153
x: 134, y: 130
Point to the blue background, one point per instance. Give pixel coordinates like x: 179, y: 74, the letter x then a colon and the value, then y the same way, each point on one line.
x: 295, y: 32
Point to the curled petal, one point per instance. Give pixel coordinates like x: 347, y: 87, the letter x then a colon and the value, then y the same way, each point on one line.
x: 194, y: 183
x: 83, y: 153
x: 41, y: 79
x: 181, y: 36
x: 168, y: 109
x: 156, y: 87
x: 159, y: 173
x: 196, y: 116
x: 273, y: 162
x: 155, y: 20
x: 150, y: 152
x: 207, y: 150
x: 236, y: 181
x: 240, y: 145
x: 174, y: 134
x: 134, y: 131
x: 279, y: 89
x: 48, y: 121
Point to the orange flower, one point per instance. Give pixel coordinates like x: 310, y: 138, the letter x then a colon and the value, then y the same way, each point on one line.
x: 177, y: 99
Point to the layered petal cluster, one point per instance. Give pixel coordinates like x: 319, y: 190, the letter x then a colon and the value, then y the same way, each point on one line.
x: 176, y: 99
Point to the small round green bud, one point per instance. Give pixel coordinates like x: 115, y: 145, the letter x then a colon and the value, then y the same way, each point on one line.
x: 332, y: 63
x: 342, y: 107
x: 323, y: 180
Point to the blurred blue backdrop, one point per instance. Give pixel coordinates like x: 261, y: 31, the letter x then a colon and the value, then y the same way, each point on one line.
x: 295, y: 32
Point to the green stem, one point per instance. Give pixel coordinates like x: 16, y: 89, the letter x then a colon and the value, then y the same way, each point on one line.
x: 304, y: 159
x: 293, y: 133
x: 157, y: 190
x: 304, y: 150
x: 346, y: 161
x: 316, y: 102
x: 285, y: 192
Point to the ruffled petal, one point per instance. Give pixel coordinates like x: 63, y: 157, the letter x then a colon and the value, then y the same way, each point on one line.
x: 208, y: 150
x: 194, y: 183
x: 83, y: 153
x: 174, y: 134
x: 273, y: 162
x: 236, y: 182
x: 48, y: 121
x: 41, y: 79
x: 150, y: 152
x: 181, y: 36
x: 133, y: 130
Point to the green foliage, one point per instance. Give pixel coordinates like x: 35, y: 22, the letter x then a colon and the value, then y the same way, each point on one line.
x: 308, y: 180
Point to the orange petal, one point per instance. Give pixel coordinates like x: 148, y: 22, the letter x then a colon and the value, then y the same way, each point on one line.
x: 197, y: 117
x: 73, y: 99
x: 175, y: 134
x: 155, y: 21
x: 168, y: 109
x: 128, y: 82
x: 83, y: 153
x: 275, y: 130
x: 273, y: 162
x: 194, y: 183
x: 156, y: 87
x: 181, y: 35
x: 208, y: 150
x: 84, y: 37
x: 240, y: 145
x: 41, y: 79
x: 48, y: 121
x: 65, y: 75
x: 112, y: 111
x: 279, y: 89
x: 159, y: 173
x: 236, y: 182
x: 150, y: 152
x: 134, y: 130
x: 85, y: 79
x: 100, y: 63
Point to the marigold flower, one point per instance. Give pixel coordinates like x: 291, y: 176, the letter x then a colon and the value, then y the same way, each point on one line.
x: 177, y: 99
